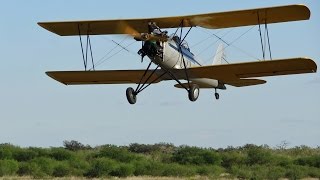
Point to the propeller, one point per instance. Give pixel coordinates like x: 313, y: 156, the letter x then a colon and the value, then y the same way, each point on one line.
x: 140, y: 36
x: 160, y: 36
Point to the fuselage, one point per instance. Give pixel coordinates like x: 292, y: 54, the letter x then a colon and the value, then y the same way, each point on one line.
x: 175, y: 57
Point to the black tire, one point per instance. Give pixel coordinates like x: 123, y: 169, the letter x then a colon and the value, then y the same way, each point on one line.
x: 193, y: 92
x: 216, y: 95
x: 131, y: 95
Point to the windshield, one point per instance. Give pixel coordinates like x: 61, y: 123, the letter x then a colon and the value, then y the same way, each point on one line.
x: 184, y: 44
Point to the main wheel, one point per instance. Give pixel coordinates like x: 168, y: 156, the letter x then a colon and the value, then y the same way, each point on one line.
x: 216, y: 95
x: 131, y: 95
x: 193, y: 92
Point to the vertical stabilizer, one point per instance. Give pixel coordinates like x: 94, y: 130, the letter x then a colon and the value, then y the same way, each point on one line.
x: 220, y: 55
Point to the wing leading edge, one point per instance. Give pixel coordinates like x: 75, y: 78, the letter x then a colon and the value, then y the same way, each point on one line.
x: 209, y: 20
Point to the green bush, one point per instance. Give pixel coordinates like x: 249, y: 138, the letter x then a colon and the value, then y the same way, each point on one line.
x: 24, y: 154
x: 123, y: 170
x: 194, y: 155
x: 78, y: 166
x: 61, y: 154
x: 140, y: 148
x: 296, y: 172
x: 62, y: 169
x: 241, y: 172
x: 258, y: 155
x: 101, y: 167
x: 45, y: 165
x: 142, y: 167
x: 165, y: 148
x: 214, y: 171
x: 8, y: 167
x: 232, y: 158
x: 313, y: 172
x: 259, y: 172
x: 117, y: 153
x: 281, y: 160
x: 5, y: 152
x: 148, y: 167
x: 276, y: 172
x: 40, y: 152
x: 313, y: 161
x: 30, y: 169
x: 178, y: 170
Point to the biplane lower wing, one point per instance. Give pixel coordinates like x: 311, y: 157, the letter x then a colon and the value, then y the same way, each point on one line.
x: 232, y: 74
x: 235, y: 74
x: 104, y: 77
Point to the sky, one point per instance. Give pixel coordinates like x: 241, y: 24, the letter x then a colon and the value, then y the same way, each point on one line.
x: 36, y: 110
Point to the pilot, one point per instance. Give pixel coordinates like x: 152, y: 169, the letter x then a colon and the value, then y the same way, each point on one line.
x: 153, y: 28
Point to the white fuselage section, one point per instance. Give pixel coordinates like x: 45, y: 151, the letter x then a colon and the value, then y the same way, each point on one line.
x: 173, y: 59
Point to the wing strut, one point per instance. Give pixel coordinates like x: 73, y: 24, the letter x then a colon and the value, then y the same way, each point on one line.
x: 266, y: 32
x: 88, y: 48
x: 182, y: 56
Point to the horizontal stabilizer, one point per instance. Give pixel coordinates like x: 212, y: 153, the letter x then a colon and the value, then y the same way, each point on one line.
x: 201, y: 86
x: 210, y: 20
x: 245, y: 82
x: 236, y: 83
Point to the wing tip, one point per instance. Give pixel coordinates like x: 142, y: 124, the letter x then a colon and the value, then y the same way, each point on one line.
x: 51, y: 75
x: 306, y: 10
x: 311, y: 64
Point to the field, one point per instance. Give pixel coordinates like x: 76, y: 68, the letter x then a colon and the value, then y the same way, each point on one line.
x: 159, y: 161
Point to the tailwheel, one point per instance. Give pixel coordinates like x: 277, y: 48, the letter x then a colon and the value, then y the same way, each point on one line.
x: 216, y: 94
x: 193, y: 92
x: 131, y: 95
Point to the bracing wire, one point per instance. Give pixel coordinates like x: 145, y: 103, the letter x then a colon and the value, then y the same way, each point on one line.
x: 204, y: 39
x: 109, y: 57
x: 232, y: 42
x: 101, y: 59
x: 211, y: 44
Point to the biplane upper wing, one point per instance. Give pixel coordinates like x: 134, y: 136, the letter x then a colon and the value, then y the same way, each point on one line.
x: 104, y: 77
x: 211, y: 20
x: 236, y: 74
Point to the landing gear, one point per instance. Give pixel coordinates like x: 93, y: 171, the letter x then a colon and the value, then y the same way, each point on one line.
x: 193, y: 92
x: 131, y: 95
x: 216, y: 94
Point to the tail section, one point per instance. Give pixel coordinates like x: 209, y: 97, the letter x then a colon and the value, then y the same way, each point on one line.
x: 220, y: 55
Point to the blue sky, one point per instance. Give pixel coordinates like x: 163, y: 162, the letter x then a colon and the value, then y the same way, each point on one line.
x: 38, y: 111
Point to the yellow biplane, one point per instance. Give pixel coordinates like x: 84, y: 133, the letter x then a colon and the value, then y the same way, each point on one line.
x: 172, y: 55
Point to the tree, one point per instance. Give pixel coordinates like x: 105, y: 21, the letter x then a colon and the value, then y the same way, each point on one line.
x: 75, y: 145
